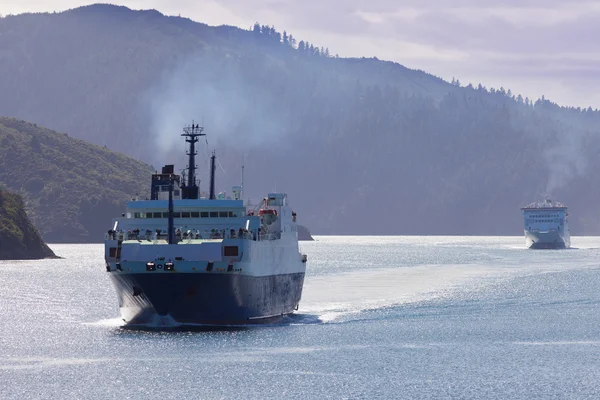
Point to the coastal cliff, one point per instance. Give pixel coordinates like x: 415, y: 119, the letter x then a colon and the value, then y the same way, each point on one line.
x: 19, y: 239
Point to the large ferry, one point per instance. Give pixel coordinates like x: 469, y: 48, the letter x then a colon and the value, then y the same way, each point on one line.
x: 546, y: 225
x: 181, y: 259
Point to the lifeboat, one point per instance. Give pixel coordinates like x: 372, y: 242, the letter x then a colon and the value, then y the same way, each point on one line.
x: 266, y: 211
x: 268, y: 216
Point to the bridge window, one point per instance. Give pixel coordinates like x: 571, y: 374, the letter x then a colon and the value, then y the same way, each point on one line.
x: 214, y: 214
x: 195, y: 214
x: 185, y: 214
x: 204, y: 214
x: 156, y: 215
x: 223, y: 214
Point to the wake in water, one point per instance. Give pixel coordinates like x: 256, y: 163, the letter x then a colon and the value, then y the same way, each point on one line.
x: 293, y: 319
x: 110, y: 322
x: 330, y: 298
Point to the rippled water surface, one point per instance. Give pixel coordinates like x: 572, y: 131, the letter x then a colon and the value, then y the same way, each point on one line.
x: 381, y: 317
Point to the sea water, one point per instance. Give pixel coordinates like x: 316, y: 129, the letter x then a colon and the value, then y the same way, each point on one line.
x: 380, y: 318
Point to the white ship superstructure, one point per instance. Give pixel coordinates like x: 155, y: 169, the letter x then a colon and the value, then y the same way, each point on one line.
x: 546, y: 225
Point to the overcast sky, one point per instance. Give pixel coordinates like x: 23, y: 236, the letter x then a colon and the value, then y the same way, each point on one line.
x: 533, y: 47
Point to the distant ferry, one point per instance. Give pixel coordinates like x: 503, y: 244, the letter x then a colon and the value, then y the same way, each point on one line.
x: 177, y: 259
x: 546, y: 225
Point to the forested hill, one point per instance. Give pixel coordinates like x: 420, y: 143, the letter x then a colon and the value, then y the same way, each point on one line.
x: 362, y: 146
x: 72, y: 189
x: 19, y: 239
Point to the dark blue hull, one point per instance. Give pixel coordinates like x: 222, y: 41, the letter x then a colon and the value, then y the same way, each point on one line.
x: 206, y: 299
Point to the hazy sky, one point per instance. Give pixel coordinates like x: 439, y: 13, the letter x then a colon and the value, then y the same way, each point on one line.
x: 533, y: 47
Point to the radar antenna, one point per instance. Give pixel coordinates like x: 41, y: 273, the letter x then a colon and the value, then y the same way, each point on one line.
x: 191, y: 134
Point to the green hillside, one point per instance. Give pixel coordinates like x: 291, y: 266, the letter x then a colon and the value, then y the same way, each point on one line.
x: 71, y: 188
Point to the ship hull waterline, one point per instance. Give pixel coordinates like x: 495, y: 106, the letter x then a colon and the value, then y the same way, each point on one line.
x: 546, y: 240
x: 202, y: 299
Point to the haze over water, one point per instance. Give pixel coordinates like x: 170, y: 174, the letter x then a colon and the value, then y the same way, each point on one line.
x: 381, y: 317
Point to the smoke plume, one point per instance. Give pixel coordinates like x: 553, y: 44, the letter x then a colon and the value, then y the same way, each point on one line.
x: 565, y: 158
x: 210, y: 89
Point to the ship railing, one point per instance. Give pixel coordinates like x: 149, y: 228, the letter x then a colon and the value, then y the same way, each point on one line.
x: 114, y: 235
x: 185, y: 235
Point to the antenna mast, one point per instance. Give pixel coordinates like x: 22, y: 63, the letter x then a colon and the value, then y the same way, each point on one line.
x: 191, y: 134
x: 212, y: 176
x: 242, y: 191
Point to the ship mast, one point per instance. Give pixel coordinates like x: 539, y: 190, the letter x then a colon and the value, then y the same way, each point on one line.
x: 191, y: 133
x: 170, y: 221
x: 211, y: 195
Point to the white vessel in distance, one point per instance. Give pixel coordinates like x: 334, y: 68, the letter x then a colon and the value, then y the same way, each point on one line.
x: 546, y: 225
x: 177, y: 259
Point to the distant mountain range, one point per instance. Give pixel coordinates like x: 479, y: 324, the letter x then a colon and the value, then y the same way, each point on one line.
x: 362, y: 146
